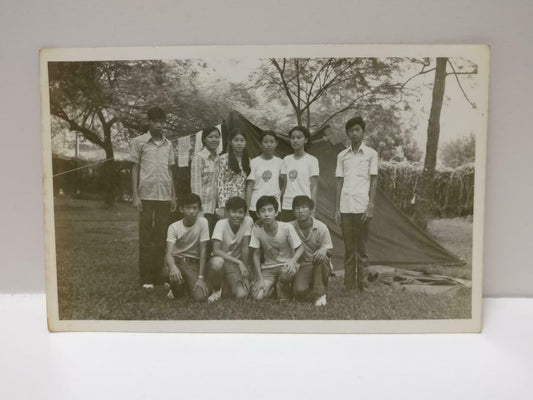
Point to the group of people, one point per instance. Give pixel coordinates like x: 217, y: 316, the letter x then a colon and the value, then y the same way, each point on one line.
x: 248, y: 226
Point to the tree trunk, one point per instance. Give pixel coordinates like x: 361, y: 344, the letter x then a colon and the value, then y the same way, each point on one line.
x: 424, y: 190
x: 109, y: 170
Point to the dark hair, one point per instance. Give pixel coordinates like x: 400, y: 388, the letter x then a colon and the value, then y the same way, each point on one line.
x: 267, y: 133
x: 299, y: 201
x: 266, y: 201
x: 236, y: 203
x: 232, y: 160
x: 190, y: 199
x: 355, y: 121
x: 156, y: 114
x: 305, y: 132
x: 206, y: 131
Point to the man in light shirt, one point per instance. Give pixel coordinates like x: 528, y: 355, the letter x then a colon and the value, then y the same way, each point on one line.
x: 152, y: 157
x: 357, y: 170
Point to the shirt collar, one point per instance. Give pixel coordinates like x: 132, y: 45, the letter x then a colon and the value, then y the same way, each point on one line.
x: 207, y: 154
x: 314, y: 226
x: 362, y: 149
x: 147, y: 137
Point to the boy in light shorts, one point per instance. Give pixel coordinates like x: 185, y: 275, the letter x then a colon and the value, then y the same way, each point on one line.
x: 231, y: 238
x: 281, y: 247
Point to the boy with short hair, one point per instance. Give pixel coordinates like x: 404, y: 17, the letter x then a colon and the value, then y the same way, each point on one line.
x: 187, y: 251
x: 231, y: 238
x: 281, y: 247
x: 152, y: 156
x: 357, y: 174
x: 312, y: 277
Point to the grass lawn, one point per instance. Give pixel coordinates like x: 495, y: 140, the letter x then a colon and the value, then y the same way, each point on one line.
x: 98, y: 278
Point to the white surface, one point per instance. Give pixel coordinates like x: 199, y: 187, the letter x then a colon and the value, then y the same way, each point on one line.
x: 26, y: 26
x: 496, y: 364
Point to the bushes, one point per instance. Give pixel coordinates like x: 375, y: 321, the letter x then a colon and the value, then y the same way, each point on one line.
x: 453, y: 194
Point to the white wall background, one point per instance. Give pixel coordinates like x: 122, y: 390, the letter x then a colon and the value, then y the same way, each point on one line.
x: 26, y: 26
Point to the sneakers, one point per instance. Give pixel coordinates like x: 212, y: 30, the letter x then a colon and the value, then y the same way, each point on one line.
x: 321, y: 301
x: 148, y: 286
x: 215, y: 296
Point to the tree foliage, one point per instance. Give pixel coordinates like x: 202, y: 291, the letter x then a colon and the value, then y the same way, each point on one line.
x: 459, y: 152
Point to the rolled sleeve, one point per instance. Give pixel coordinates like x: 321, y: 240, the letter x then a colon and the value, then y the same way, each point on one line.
x: 373, y: 164
x: 196, y: 175
x: 135, y: 152
x: 294, y: 239
x: 315, y: 169
x: 171, y: 235
x: 339, y: 171
x: 254, y: 238
x: 171, y: 155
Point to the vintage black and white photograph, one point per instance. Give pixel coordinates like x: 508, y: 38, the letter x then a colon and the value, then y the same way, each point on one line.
x: 265, y: 189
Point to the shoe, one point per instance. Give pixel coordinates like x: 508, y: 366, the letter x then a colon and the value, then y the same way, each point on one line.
x: 170, y: 295
x: 148, y: 286
x: 215, y: 296
x: 321, y: 301
x: 166, y: 285
x: 284, y: 302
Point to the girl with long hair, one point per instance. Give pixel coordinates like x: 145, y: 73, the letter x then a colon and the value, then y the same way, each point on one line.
x: 233, y: 169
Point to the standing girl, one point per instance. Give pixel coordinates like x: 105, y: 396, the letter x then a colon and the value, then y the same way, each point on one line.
x: 299, y: 172
x: 203, y: 174
x: 265, y: 173
x: 233, y: 169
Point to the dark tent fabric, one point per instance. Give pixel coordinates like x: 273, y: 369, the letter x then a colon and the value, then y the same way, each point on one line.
x: 394, y: 239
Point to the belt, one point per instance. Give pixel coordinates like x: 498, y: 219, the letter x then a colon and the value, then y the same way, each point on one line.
x: 187, y: 259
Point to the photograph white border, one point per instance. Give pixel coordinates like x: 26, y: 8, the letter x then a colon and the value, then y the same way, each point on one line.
x: 478, y: 54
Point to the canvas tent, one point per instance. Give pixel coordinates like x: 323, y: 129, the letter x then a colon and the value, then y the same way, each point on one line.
x: 394, y: 239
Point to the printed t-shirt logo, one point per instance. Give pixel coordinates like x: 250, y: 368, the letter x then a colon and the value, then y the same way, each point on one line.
x: 293, y: 175
x: 267, y: 174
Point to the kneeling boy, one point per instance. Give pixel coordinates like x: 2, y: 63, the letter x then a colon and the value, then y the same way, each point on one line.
x: 187, y: 251
x: 312, y: 277
x: 281, y: 248
x: 231, y: 238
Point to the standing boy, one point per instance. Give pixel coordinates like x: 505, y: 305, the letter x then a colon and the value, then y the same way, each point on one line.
x: 153, y: 195
x: 231, y: 238
x: 357, y: 170
x: 281, y: 248
x: 187, y: 251
x: 312, y: 277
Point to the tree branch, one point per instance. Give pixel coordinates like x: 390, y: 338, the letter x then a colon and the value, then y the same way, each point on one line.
x: 74, y: 126
x: 472, y: 104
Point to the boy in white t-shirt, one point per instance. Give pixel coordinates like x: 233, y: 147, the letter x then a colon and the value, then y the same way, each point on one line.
x: 186, y: 253
x: 231, y: 238
x: 265, y: 173
x: 281, y: 247
x: 299, y: 172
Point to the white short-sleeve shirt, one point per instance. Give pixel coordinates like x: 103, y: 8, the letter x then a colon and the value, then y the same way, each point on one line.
x: 277, y: 249
x: 232, y: 242
x: 265, y: 174
x: 299, y: 173
x: 356, y: 169
x: 187, y: 239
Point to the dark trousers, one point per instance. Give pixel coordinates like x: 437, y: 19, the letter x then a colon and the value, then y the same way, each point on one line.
x: 355, y: 233
x: 153, y: 225
x: 311, y: 281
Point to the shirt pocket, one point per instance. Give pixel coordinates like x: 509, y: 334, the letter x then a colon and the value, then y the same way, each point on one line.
x: 362, y: 167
